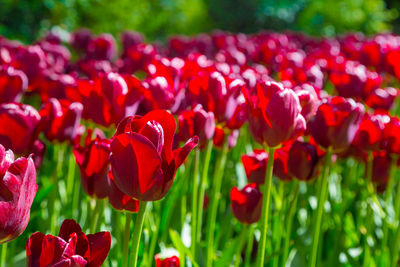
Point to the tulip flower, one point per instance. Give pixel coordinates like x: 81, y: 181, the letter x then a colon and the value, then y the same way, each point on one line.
x: 336, y: 123
x: 370, y: 133
x: 60, y: 120
x: 382, y: 98
x: 71, y: 247
x: 172, y: 261
x: 18, y: 126
x: 118, y: 199
x: 142, y: 160
x: 12, y: 84
x: 281, y: 163
x: 255, y: 165
x: 81, y: 39
x: 391, y: 136
x: 102, y: 47
x: 274, y: 114
x: 93, y: 163
x: 246, y: 203
x: 302, y: 160
x: 17, y: 191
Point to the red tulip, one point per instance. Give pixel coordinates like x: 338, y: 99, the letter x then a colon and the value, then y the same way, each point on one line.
x: 382, y: 98
x: 12, y: 84
x: 93, y: 162
x: 18, y: 126
x: 219, y: 137
x: 246, y: 203
x: 118, y: 199
x: 302, y: 160
x: 167, y: 262
x: 81, y: 39
x: 70, y: 248
x: 60, y: 120
x: 142, y: 160
x: 391, y: 136
x: 381, y: 168
x: 17, y: 191
x: 336, y: 123
x: 281, y: 163
x: 255, y: 165
x: 196, y: 122
x: 102, y: 47
x: 274, y: 114
x: 369, y: 135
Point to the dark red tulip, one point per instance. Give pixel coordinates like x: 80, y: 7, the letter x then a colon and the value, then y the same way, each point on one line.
x: 143, y: 162
x: 130, y: 38
x: 81, y: 39
x: 370, y: 133
x: 255, y: 165
x: 391, y: 136
x: 93, y: 162
x: 18, y: 126
x: 274, y: 114
x: 60, y: 120
x: 12, y: 84
x: 246, y: 203
x: 17, y: 191
x: 281, y: 163
x: 70, y: 248
x: 167, y: 262
x: 118, y: 199
x: 381, y: 168
x: 102, y: 47
x: 336, y: 123
x: 302, y: 160
x: 196, y: 122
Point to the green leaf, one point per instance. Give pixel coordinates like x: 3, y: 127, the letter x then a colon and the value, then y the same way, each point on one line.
x: 180, y: 246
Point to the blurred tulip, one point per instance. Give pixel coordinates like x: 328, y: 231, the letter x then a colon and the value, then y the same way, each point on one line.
x: 70, y: 248
x: 255, y: 165
x: 17, y: 191
x: 302, y: 160
x: 102, y: 47
x: 246, y: 203
x: 382, y: 98
x: 12, y: 84
x: 18, y: 126
x: 142, y: 160
x: 336, y: 123
x: 81, y: 39
x: 167, y: 262
x: 391, y: 136
x: 370, y: 133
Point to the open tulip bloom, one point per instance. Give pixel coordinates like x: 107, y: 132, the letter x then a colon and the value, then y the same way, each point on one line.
x: 220, y: 149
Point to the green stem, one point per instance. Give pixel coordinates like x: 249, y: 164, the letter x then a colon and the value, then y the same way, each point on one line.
x: 217, y: 182
x: 249, y: 247
x: 279, y: 204
x: 266, y: 206
x: 203, y: 185
x: 127, y: 233
x: 242, y: 238
x: 137, y: 232
x: 76, y: 199
x: 370, y: 214
x: 3, y: 255
x: 194, y: 204
x: 98, y: 210
x: 388, y: 194
x: 395, y: 244
x: 186, y: 173
x: 320, y: 208
x: 289, y: 223
x: 71, y: 176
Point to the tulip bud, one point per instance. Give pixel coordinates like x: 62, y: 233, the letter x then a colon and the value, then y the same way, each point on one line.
x: 246, y: 203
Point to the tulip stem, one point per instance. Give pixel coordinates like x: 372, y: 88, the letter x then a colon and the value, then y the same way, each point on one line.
x: 98, y: 209
x: 125, y: 249
x: 217, y: 182
x: 3, y: 255
x: 71, y: 176
x: 370, y: 214
x: 395, y: 244
x: 249, y: 247
x: 388, y: 194
x: 238, y: 256
x: 289, y: 223
x: 323, y: 190
x: 194, y: 203
x: 202, y: 185
x: 266, y: 206
x: 137, y: 231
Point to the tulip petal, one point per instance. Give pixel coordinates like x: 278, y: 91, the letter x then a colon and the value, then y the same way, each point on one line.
x: 99, y: 244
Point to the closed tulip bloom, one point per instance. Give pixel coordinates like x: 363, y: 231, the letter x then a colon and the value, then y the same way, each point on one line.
x: 118, y: 199
x: 391, y: 136
x: 143, y: 162
x: 196, y: 122
x: 18, y: 126
x: 274, y: 114
x: 102, y: 47
x: 369, y: 135
x: 12, y: 84
x: 17, y: 191
x: 60, y: 120
x: 93, y: 162
x: 302, y: 160
x: 255, y: 165
x: 167, y: 262
x: 336, y: 123
x: 80, y: 39
x: 382, y: 98
x: 380, y: 169
x: 246, y: 203
x: 70, y: 248
x: 281, y: 163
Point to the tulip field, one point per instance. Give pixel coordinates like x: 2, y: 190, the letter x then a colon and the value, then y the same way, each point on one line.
x: 220, y: 149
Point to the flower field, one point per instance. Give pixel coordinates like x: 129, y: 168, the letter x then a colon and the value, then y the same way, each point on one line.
x: 221, y: 149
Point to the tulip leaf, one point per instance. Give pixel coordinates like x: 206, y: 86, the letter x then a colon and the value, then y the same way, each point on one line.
x: 230, y: 250
x: 183, y: 250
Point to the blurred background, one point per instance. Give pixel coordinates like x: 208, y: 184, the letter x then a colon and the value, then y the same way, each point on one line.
x: 27, y: 20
